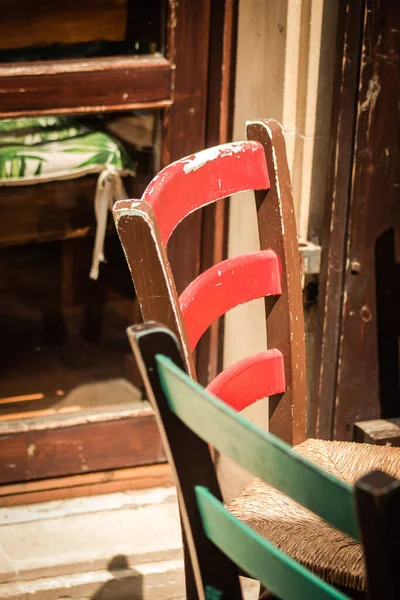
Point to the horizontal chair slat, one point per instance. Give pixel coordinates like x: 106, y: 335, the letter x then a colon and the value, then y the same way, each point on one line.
x: 257, y: 451
x: 250, y: 379
x: 227, y: 284
x: 209, y: 175
x: 281, y: 574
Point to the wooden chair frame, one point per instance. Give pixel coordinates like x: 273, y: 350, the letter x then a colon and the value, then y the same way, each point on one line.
x: 189, y: 419
x: 145, y: 249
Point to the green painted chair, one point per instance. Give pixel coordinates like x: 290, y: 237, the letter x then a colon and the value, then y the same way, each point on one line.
x: 221, y: 546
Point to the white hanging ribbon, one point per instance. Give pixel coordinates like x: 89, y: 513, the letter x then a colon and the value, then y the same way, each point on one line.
x: 109, y: 189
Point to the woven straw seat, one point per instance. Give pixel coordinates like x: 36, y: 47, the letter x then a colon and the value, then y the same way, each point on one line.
x: 330, y: 554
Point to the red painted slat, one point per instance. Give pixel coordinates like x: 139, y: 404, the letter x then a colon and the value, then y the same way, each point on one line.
x: 250, y: 379
x: 226, y: 285
x: 197, y: 180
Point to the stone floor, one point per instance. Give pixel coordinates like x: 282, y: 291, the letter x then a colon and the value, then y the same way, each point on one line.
x: 122, y: 546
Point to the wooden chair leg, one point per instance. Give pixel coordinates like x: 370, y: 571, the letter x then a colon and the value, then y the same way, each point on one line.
x: 378, y: 502
x: 191, y: 590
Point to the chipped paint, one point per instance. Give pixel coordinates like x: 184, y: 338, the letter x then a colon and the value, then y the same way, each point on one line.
x: 198, y: 160
x: 374, y: 88
x: 31, y: 451
x: 366, y: 314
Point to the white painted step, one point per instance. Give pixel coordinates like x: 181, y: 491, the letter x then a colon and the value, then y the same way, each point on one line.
x: 80, y: 547
x: 122, y: 546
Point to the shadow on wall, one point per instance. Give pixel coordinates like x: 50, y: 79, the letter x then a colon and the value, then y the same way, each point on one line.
x: 126, y: 584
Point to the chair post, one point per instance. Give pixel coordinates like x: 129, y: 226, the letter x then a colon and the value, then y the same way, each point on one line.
x: 284, y: 315
x: 191, y: 464
x: 150, y: 269
x: 378, y: 508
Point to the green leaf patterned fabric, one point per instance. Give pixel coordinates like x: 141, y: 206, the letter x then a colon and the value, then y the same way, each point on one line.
x: 40, y: 149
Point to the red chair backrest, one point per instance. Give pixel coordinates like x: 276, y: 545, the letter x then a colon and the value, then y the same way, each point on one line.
x: 197, y: 180
x: 145, y: 227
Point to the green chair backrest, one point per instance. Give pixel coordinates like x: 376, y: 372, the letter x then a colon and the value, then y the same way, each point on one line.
x: 274, y: 461
x: 190, y: 419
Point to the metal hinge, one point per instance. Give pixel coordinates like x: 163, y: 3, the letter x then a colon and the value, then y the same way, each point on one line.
x: 310, y: 258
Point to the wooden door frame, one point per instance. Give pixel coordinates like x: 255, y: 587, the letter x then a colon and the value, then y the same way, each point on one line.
x: 327, y: 337
x: 189, y: 123
x: 219, y: 130
x: 356, y: 368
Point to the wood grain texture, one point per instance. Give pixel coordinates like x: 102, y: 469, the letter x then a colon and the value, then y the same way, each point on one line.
x: 151, y: 272
x: 348, y: 51
x: 370, y: 320
x: 31, y: 23
x: 285, y: 321
x: 368, y: 381
x: 358, y: 362
x: 222, y: 70
x: 89, y: 484
x: 58, y: 210
x: 384, y: 432
x: 84, y: 447
x: 105, y: 84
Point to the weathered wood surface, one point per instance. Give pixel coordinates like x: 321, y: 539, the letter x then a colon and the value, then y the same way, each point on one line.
x: 185, y: 186
x: 384, y: 432
x: 32, y: 23
x: 88, y: 484
x: 184, y: 122
x: 177, y: 82
x: 150, y: 269
x: 285, y: 320
x: 104, y: 84
x: 145, y: 226
x: 348, y: 52
x: 185, y: 126
x: 199, y: 179
x: 69, y: 444
x: 51, y: 211
x: 368, y: 368
x: 358, y: 370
